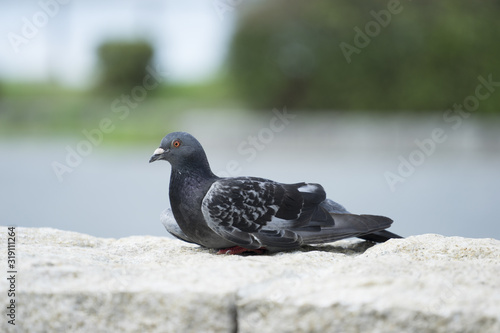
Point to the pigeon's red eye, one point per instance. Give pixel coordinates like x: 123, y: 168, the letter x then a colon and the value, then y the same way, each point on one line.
x: 176, y: 143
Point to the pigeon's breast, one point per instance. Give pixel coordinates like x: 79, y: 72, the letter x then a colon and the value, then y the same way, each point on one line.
x: 186, y: 195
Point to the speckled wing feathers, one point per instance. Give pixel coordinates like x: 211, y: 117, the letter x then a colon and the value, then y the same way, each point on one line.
x: 256, y: 212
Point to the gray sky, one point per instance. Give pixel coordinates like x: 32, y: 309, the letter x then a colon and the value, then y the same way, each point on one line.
x: 57, y: 39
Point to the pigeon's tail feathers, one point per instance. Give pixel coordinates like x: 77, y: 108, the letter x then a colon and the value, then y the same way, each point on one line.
x: 344, y: 226
x: 379, y: 236
x: 331, y: 206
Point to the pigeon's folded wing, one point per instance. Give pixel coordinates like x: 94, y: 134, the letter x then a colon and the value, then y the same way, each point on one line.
x: 344, y: 225
x: 255, y: 212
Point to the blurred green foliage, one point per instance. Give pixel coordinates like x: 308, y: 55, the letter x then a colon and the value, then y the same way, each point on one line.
x: 423, y: 55
x: 45, y: 110
x: 426, y: 56
x: 123, y: 64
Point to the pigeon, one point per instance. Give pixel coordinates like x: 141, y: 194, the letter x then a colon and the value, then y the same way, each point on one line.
x: 239, y: 215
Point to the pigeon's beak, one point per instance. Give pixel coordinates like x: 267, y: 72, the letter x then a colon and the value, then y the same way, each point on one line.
x: 157, y: 155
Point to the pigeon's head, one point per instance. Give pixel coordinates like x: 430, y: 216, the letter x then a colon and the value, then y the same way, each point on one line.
x: 181, y: 149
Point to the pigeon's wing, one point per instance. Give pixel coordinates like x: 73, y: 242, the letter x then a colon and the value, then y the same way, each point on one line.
x: 332, y: 222
x: 255, y: 212
x: 333, y: 207
x: 343, y: 225
x: 169, y: 222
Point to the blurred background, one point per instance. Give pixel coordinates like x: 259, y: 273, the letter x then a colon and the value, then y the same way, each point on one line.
x: 393, y: 106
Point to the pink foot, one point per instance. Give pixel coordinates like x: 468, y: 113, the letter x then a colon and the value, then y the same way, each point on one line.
x: 241, y: 250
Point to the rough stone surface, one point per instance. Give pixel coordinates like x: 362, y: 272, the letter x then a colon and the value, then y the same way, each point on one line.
x: 70, y: 282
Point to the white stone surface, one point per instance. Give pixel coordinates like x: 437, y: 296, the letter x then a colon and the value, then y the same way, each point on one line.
x: 70, y: 282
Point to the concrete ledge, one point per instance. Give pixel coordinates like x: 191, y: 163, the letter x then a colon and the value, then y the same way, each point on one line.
x: 79, y: 283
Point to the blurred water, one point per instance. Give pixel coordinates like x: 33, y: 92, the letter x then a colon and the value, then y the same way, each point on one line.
x: 116, y: 193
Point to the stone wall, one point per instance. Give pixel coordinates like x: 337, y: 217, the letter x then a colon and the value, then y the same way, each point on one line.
x: 70, y: 282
